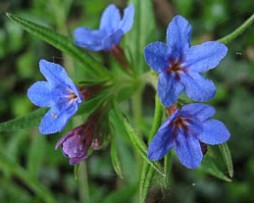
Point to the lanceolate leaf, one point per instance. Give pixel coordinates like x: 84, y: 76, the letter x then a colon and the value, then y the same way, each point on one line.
x: 209, y: 166
x: 115, y: 158
x: 28, y: 121
x: 64, y: 44
x: 147, y: 172
x: 227, y: 158
x: 137, y: 143
x: 145, y: 181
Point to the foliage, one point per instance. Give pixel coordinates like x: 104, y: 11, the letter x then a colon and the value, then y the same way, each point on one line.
x: 117, y: 168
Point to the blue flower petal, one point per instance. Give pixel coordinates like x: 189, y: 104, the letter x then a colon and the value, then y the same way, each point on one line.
x: 128, y: 17
x: 169, y: 89
x: 214, y: 132
x: 110, y: 19
x: 57, y: 76
x: 198, y: 87
x: 162, y: 142
x: 112, y: 40
x: 55, y: 119
x: 178, y: 34
x: 188, y: 150
x: 155, y: 56
x: 40, y: 93
x: 199, y: 111
x: 204, y: 57
x: 90, y: 39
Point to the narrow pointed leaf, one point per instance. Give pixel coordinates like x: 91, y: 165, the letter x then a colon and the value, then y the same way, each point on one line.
x: 147, y: 172
x: 28, y: 121
x: 115, y: 159
x: 62, y: 43
x: 209, y: 166
x: 140, y: 147
x: 227, y: 158
x: 137, y: 143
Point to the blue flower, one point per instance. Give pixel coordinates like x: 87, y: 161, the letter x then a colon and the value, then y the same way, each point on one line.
x: 112, y: 28
x: 59, y: 93
x: 185, y: 130
x: 180, y: 66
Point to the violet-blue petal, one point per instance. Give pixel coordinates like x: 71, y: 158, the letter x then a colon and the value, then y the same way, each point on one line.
x: 178, y: 34
x: 155, y: 56
x: 88, y: 38
x: 110, y: 19
x: 188, y: 150
x: 62, y: 140
x: 56, y: 75
x: 199, y: 111
x: 162, y: 142
x: 56, y: 118
x: 40, y: 93
x: 128, y: 17
x: 204, y: 57
x: 112, y: 40
x: 214, y: 132
x: 73, y: 147
x: 198, y: 87
x: 168, y: 89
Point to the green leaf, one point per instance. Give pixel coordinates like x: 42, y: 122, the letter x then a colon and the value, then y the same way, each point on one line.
x: 115, y: 158
x: 147, y: 174
x: 62, y: 43
x: 28, y: 121
x: 21, y: 173
x: 227, y: 158
x: 140, y: 147
x: 147, y: 170
x: 136, y: 141
x: 141, y: 34
x: 209, y: 166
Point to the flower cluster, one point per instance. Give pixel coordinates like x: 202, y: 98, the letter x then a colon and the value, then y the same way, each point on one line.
x: 64, y: 97
x: 180, y: 66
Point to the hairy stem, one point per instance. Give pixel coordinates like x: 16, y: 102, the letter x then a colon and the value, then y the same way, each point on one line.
x: 227, y: 39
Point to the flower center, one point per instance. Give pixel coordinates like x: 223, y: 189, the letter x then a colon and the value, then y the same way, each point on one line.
x: 180, y: 123
x: 175, y: 67
x: 72, y: 97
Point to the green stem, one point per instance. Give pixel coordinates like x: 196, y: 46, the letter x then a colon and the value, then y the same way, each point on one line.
x: 227, y: 39
x: 157, y: 118
x: 137, y: 107
x: 147, y: 170
x: 24, y: 176
x: 84, y: 191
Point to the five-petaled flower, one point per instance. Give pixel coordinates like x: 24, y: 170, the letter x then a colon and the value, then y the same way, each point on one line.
x: 112, y: 28
x: 76, y: 144
x: 180, y: 66
x: 59, y: 93
x: 185, y: 130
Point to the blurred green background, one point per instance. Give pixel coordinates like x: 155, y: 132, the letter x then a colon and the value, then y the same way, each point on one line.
x: 32, y: 156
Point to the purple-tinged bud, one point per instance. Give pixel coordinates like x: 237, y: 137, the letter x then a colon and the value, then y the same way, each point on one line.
x: 76, y: 143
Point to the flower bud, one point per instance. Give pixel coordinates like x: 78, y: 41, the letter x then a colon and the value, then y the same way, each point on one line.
x: 76, y: 143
